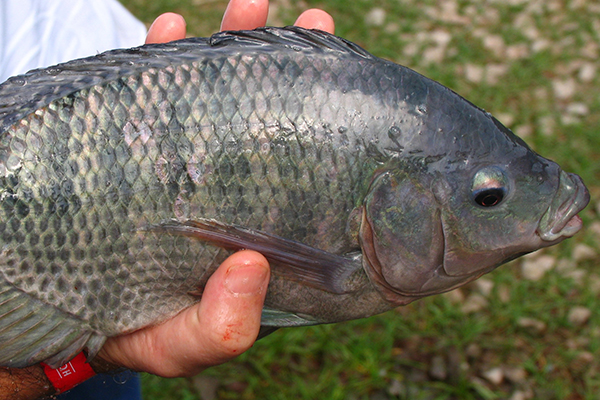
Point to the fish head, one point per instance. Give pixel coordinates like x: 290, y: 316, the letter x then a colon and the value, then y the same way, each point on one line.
x: 505, y: 210
x: 431, y: 230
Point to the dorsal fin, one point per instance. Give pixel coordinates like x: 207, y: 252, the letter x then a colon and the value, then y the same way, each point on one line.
x: 23, y: 94
x: 291, y: 37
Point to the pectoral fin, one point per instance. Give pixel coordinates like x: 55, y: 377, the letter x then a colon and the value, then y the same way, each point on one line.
x: 307, y: 265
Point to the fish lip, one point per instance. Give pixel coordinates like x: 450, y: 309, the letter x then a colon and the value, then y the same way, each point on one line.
x: 560, y: 220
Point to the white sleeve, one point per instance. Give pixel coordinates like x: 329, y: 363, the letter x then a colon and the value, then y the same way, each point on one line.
x: 40, y: 33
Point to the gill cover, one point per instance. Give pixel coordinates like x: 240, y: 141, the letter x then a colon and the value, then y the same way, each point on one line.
x: 402, y: 238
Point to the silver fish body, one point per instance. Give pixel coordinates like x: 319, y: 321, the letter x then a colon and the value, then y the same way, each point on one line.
x: 126, y: 178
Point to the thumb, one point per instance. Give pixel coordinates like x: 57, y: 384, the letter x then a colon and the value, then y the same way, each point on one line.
x: 231, y: 305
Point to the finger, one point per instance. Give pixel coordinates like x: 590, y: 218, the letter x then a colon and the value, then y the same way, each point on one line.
x: 245, y: 14
x: 316, y: 19
x: 166, y: 28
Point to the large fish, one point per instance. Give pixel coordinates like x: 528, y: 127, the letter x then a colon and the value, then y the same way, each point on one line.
x: 126, y: 178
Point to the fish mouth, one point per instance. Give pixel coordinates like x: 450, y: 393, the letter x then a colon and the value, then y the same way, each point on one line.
x: 560, y: 220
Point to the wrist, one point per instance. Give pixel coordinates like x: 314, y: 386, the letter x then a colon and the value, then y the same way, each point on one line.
x: 24, y: 383
x: 102, y: 366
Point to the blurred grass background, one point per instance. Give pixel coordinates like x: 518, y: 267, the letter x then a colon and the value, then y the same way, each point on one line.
x: 531, y: 329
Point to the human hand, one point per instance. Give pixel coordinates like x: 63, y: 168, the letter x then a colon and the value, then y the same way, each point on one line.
x: 240, y: 14
x: 222, y: 326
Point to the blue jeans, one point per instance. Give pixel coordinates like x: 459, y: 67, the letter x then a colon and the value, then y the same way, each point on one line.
x: 123, y: 386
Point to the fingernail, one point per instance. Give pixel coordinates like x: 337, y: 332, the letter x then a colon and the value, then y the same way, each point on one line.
x: 246, y: 279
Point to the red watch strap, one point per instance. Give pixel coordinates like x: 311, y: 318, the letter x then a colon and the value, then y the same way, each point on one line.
x: 71, y: 374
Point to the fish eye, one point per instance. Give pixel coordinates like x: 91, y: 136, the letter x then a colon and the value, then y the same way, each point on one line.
x: 489, y: 187
x: 489, y: 197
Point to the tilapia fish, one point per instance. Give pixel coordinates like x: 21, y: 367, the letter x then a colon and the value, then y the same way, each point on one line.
x: 126, y: 178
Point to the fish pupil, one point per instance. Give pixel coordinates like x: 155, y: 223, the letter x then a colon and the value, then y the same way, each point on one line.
x: 489, y: 197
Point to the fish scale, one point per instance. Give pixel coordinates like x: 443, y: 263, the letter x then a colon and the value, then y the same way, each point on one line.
x: 126, y: 178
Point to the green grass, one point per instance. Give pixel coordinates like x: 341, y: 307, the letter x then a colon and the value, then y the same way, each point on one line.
x: 391, y: 356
